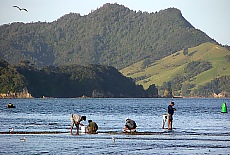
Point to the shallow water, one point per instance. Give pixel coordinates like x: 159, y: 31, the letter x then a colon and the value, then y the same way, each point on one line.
x: 199, y: 126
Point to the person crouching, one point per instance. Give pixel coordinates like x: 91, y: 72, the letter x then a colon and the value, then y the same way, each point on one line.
x: 92, y: 127
x: 130, y: 125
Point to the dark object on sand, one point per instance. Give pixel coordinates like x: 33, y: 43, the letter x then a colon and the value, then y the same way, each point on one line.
x: 10, y: 105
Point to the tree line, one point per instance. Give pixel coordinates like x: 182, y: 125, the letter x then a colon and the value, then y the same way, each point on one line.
x: 69, y: 81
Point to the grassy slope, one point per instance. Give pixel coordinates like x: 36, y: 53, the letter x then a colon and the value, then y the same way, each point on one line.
x: 165, y: 69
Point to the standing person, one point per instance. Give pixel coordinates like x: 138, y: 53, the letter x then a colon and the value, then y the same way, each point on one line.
x: 170, y: 115
x: 76, y: 119
x: 130, y: 125
x: 92, y: 127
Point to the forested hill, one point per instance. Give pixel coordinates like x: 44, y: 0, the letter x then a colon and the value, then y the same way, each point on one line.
x: 68, y: 81
x: 111, y: 35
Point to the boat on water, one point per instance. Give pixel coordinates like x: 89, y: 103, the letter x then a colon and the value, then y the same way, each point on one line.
x: 10, y: 105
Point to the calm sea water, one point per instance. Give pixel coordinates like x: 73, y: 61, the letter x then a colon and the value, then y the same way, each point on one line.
x: 199, y: 126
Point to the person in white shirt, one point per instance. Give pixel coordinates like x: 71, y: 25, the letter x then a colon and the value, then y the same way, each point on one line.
x: 76, y: 120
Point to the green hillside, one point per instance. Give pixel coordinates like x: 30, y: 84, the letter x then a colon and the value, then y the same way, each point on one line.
x: 112, y: 35
x: 173, y: 66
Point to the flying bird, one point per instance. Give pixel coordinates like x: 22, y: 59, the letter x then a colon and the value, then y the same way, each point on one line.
x: 20, y: 8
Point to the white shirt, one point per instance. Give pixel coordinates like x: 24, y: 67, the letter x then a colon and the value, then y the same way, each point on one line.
x: 76, y: 118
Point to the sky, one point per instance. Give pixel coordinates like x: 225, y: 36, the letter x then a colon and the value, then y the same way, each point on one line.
x: 210, y: 16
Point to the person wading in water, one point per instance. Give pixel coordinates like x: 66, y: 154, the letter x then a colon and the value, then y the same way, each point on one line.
x: 170, y: 115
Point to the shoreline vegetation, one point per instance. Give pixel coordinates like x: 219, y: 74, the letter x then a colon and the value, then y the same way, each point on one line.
x: 27, y: 95
x: 75, y: 81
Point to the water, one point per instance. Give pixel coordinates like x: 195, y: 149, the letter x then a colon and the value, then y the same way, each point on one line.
x: 199, y: 126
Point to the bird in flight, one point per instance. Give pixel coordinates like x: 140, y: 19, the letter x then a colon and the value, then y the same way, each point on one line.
x: 20, y: 8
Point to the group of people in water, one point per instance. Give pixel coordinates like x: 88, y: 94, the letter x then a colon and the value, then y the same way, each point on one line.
x: 130, y: 125
x: 76, y: 120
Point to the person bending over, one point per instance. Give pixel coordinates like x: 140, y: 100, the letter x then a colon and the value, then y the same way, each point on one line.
x: 130, y: 125
x: 76, y: 120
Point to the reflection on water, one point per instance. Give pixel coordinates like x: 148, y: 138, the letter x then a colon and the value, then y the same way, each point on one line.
x: 199, y: 126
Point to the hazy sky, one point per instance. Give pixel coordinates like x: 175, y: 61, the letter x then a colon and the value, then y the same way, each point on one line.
x: 210, y: 16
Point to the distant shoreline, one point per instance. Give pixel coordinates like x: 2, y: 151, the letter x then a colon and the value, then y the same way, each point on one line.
x: 84, y: 97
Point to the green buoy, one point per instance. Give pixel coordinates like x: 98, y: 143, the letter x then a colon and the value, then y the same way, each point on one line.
x: 224, y: 108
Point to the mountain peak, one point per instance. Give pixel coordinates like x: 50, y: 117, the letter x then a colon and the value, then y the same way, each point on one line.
x: 111, y: 35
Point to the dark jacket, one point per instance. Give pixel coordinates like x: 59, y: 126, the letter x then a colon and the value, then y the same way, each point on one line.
x: 130, y: 124
x: 170, y: 110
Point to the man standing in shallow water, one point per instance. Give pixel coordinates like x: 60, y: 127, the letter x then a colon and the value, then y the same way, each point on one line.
x: 170, y: 115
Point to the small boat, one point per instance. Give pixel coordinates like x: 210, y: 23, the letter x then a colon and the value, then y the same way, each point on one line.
x: 10, y: 105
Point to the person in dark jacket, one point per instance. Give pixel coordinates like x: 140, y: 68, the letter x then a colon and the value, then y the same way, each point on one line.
x: 130, y: 125
x: 170, y: 115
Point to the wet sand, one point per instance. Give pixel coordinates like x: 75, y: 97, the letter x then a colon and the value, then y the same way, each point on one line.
x: 34, y: 132
x: 110, y: 132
